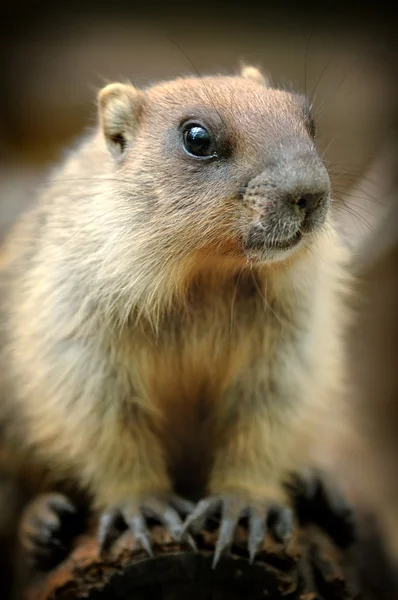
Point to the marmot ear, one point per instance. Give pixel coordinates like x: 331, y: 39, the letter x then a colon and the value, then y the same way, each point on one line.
x: 253, y: 73
x: 119, y: 107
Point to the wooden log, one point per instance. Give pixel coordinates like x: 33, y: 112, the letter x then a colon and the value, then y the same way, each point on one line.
x: 310, y: 567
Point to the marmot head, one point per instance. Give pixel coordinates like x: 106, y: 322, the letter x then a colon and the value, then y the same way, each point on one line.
x: 224, y: 166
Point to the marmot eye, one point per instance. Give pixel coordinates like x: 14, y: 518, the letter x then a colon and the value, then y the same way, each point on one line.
x: 198, y: 141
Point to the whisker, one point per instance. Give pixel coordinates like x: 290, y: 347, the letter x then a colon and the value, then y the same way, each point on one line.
x: 361, y: 208
x: 94, y: 179
x: 197, y: 73
x: 306, y: 59
x: 263, y: 297
x: 319, y: 112
x: 329, y: 145
x: 239, y: 277
x: 313, y: 94
x: 355, y: 214
x: 117, y: 208
x: 369, y: 198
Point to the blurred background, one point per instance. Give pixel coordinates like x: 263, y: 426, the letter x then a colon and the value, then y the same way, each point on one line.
x: 344, y: 55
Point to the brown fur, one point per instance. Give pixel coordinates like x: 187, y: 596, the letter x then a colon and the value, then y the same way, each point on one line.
x: 142, y: 350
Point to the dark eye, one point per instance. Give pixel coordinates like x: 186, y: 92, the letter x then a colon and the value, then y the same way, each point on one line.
x: 198, y: 141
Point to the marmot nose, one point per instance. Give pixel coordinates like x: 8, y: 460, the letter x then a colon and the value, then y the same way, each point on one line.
x: 307, y: 202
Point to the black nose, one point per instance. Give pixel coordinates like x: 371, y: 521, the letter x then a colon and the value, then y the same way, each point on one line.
x: 307, y: 203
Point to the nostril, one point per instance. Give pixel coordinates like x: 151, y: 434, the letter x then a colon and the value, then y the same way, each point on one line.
x: 301, y: 203
x: 309, y: 201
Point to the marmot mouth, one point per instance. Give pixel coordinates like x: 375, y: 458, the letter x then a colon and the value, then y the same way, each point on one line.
x: 285, y: 244
x: 260, y: 242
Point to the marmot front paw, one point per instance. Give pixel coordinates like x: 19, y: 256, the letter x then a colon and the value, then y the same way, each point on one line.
x: 47, y: 529
x: 261, y: 516
x: 133, y: 515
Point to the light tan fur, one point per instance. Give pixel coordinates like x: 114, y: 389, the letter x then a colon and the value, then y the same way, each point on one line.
x: 143, y: 351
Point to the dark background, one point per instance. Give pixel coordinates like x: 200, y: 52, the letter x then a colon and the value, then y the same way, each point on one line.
x: 56, y: 57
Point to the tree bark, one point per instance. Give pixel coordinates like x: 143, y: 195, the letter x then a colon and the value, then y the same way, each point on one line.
x: 311, y: 567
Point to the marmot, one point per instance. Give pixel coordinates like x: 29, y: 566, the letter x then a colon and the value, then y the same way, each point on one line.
x: 172, y: 308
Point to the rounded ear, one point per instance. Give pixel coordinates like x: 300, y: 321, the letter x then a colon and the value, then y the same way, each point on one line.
x: 253, y: 73
x: 119, y: 108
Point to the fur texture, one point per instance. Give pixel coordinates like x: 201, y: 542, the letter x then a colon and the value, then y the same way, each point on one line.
x: 143, y: 349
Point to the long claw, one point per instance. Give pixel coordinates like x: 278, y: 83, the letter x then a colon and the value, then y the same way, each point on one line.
x: 140, y: 532
x: 257, y: 531
x: 106, y: 530
x: 231, y: 512
x: 143, y: 540
x: 170, y: 518
x: 190, y: 541
x: 61, y: 505
x: 224, y: 540
x: 182, y: 506
x: 167, y: 516
x: 196, y: 520
x: 133, y: 514
x: 260, y: 515
x: 172, y: 521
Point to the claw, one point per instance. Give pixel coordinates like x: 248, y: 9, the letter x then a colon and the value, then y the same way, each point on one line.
x: 133, y: 515
x: 257, y: 531
x: 106, y: 530
x: 182, y: 506
x: 167, y: 516
x: 196, y: 520
x: 140, y: 532
x: 143, y: 541
x: 61, y: 505
x: 170, y: 518
x: 232, y: 511
x: 224, y: 540
x: 280, y: 519
x: 190, y: 541
x: 47, y: 529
